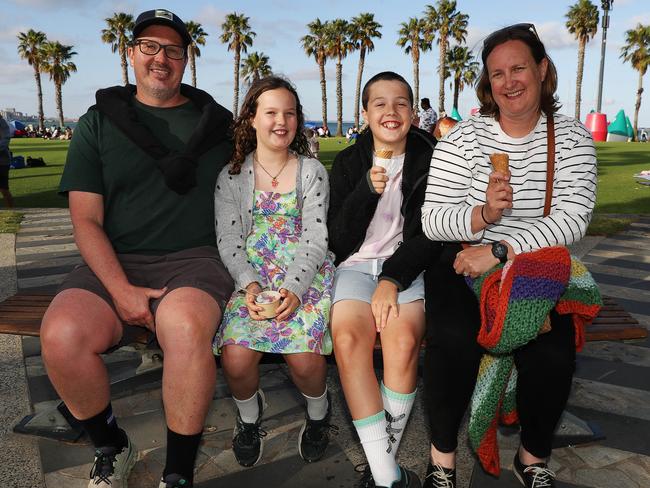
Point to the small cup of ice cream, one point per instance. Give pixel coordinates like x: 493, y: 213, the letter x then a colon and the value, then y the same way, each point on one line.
x: 269, y: 301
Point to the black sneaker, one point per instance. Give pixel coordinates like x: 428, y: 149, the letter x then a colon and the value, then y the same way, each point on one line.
x: 174, y: 481
x: 407, y: 479
x: 439, y: 477
x: 247, y: 438
x: 534, y: 475
x: 315, y: 435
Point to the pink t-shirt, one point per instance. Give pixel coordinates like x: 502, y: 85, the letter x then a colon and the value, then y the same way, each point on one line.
x: 384, y: 233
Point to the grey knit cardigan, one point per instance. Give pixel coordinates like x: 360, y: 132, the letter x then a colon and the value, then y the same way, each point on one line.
x: 233, y: 203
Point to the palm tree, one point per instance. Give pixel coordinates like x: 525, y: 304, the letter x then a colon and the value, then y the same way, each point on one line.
x: 239, y: 36
x: 363, y: 28
x: 198, y: 36
x: 255, y: 67
x: 637, y: 51
x: 412, y: 39
x: 462, y: 67
x: 339, y: 46
x: 56, y: 62
x: 118, y: 35
x: 583, y: 24
x: 445, y: 21
x: 315, y: 44
x: 29, y: 48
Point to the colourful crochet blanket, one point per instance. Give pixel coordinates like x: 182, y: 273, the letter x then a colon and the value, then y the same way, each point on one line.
x: 515, y: 303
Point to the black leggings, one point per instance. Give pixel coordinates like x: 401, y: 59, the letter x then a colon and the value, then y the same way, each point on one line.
x: 545, y: 365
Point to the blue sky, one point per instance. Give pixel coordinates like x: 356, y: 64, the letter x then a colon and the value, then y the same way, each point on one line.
x: 280, y: 24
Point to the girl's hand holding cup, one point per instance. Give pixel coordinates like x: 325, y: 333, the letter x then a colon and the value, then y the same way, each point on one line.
x: 254, y: 309
x: 288, y: 305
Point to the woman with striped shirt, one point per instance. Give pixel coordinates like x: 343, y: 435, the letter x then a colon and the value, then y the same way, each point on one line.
x: 501, y: 213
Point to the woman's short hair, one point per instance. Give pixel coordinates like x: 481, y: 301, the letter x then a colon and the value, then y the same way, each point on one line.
x: 383, y: 76
x: 527, y: 34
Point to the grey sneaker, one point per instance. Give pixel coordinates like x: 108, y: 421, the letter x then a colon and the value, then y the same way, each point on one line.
x: 112, y: 467
x: 174, y: 481
x: 534, y: 475
x: 247, y: 440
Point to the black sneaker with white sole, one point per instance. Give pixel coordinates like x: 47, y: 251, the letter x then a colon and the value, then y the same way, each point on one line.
x: 315, y: 436
x: 534, y: 475
x: 439, y: 477
x: 247, y: 440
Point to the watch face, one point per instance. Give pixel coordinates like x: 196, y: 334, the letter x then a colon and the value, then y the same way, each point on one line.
x: 499, y: 250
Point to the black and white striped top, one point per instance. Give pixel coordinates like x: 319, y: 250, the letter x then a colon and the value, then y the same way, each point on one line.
x: 459, y: 174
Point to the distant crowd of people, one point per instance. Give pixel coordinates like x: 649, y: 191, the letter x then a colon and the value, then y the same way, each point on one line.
x: 52, y: 133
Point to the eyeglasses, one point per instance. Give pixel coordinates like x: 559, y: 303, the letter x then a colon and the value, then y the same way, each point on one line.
x: 151, y: 48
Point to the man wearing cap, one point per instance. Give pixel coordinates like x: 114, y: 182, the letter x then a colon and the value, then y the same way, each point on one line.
x: 140, y: 177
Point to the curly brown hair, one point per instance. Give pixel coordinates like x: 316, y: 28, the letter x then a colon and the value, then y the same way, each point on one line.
x: 528, y: 35
x: 244, y: 137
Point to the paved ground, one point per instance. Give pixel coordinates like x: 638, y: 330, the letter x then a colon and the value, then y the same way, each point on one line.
x: 611, y: 390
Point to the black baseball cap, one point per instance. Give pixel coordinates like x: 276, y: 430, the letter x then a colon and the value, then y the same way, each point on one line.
x: 160, y: 16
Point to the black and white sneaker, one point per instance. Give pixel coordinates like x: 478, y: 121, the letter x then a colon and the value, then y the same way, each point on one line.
x: 112, y: 466
x: 247, y: 440
x: 439, y: 477
x: 315, y: 435
x: 407, y: 478
x: 366, y: 480
x: 534, y: 475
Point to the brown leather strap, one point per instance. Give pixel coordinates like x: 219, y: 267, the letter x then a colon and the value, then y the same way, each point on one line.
x: 550, y: 163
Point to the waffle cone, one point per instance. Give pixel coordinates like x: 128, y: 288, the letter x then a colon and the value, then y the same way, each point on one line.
x: 384, y: 153
x: 500, y: 162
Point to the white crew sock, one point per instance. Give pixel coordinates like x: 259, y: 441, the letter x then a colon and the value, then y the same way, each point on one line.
x: 249, y: 409
x: 399, y: 406
x: 374, y: 439
x: 317, y: 406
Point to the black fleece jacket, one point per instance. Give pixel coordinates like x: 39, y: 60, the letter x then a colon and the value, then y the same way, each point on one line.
x: 353, y: 202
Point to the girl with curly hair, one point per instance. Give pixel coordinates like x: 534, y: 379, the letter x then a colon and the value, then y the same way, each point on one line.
x: 271, y: 210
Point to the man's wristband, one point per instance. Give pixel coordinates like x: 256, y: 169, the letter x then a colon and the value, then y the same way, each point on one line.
x: 483, y: 216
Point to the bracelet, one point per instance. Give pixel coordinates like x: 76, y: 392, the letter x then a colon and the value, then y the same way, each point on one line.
x: 483, y: 216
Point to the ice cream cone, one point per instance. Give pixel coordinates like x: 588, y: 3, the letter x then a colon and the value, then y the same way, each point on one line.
x: 500, y: 162
x: 384, y: 153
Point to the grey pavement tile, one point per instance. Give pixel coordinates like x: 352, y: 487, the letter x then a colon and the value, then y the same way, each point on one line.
x: 615, y: 259
x: 480, y: 479
x: 628, y: 353
x: 630, y: 305
x: 623, y: 281
x: 603, y: 397
x: 39, y: 272
x: 46, y: 255
x: 57, y: 456
x: 620, y: 432
x: 613, y: 373
x: 22, y: 244
x: 49, y: 231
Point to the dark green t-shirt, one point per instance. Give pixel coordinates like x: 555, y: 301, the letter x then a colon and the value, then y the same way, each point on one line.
x: 141, y: 213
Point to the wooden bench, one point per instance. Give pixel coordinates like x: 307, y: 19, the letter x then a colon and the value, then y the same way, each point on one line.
x: 21, y: 314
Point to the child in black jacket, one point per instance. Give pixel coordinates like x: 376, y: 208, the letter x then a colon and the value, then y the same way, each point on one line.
x: 376, y: 193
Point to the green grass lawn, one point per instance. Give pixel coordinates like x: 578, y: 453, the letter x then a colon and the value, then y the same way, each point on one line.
x: 618, y: 192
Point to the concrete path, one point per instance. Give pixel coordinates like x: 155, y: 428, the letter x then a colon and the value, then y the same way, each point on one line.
x: 611, y: 390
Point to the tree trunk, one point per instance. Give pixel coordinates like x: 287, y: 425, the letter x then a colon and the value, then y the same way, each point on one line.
x: 443, y: 57
x: 59, y: 103
x: 416, y: 77
x: 339, y: 97
x: 323, y: 92
x: 192, y: 65
x: 125, y: 69
x: 456, y: 89
x: 235, y: 101
x: 637, y: 105
x: 581, y: 63
x: 39, y: 91
x: 362, y: 60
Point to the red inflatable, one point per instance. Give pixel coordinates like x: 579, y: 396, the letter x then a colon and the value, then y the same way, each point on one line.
x: 597, y: 125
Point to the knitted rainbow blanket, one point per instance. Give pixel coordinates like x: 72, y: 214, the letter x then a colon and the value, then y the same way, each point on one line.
x: 515, y: 303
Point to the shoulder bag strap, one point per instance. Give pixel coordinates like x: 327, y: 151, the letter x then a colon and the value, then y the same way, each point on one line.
x: 550, y: 163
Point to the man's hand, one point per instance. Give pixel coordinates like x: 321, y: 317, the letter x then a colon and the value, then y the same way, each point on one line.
x: 498, y: 196
x: 378, y: 178
x: 383, y: 300
x: 132, y: 305
x: 288, y: 305
x: 252, y: 290
x: 474, y: 261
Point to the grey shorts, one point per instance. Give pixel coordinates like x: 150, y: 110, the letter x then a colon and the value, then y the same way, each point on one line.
x: 199, y: 267
x: 359, y: 281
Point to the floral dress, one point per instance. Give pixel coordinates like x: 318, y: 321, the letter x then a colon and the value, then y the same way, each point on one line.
x: 270, y: 248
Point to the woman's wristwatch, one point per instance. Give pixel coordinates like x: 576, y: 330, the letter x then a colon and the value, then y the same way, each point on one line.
x: 500, y: 251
